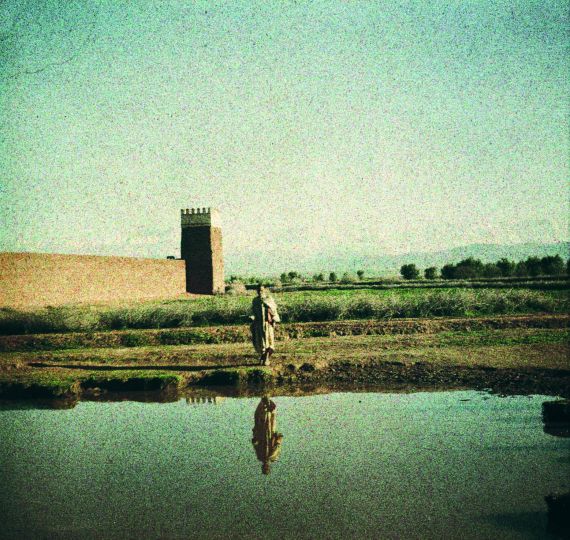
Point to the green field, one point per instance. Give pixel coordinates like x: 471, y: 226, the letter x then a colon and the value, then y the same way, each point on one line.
x: 527, y: 282
x: 299, y: 306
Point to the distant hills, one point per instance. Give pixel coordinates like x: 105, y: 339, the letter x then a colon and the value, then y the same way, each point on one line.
x: 342, y: 260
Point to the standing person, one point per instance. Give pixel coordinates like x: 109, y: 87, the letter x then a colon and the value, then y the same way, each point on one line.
x: 266, y: 441
x: 263, y: 325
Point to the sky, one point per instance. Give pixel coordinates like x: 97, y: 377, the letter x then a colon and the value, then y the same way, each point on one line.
x: 315, y: 127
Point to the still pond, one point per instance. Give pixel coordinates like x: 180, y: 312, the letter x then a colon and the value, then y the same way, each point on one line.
x: 458, y: 464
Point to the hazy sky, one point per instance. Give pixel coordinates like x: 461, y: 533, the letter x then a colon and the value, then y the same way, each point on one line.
x: 380, y: 127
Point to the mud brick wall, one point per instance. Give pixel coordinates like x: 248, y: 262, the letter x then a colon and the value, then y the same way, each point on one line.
x: 40, y: 279
x: 201, y: 248
x: 218, y: 283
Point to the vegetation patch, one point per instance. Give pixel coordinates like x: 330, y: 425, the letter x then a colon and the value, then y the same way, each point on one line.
x: 241, y: 334
x: 501, y: 338
x: 138, y: 380
x: 237, y: 377
x: 56, y: 383
x: 310, y: 306
x: 48, y: 385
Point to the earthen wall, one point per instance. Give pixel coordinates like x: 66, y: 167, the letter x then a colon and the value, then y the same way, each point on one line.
x: 40, y: 279
x: 201, y: 248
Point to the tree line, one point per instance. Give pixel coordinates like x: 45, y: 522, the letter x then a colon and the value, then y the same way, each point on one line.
x: 466, y: 269
x: 551, y: 265
x: 347, y: 277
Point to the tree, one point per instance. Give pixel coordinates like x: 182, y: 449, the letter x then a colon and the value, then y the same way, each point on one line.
x: 430, y: 273
x: 409, y: 271
x: 506, y: 267
x: 448, y: 271
x: 469, y: 268
x: 360, y: 274
x: 284, y: 278
x: 491, y: 270
x: 347, y: 278
x: 319, y: 277
x: 552, y: 265
x: 533, y: 266
x: 520, y: 269
x: 294, y: 277
x: 332, y: 277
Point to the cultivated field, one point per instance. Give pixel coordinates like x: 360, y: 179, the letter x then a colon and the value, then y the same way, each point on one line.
x: 509, y: 339
x: 298, y: 306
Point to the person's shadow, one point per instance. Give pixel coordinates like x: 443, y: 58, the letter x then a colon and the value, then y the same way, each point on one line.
x: 266, y: 441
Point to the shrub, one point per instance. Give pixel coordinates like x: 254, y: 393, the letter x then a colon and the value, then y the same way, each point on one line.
x: 409, y: 271
x: 332, y: 277
x: 347, y: 278
x: 430, y: 273
x: 235, y: 288
x: 134, y: 339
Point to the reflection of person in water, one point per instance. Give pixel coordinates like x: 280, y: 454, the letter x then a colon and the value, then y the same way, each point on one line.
x: 266, y: 441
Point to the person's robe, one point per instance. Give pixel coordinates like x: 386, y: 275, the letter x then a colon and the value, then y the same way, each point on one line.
x: 262, y: 330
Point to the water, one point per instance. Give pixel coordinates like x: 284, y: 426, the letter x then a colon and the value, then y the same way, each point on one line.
x: 371, y: 465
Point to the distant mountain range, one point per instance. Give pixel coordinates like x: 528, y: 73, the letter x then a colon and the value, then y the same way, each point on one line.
x: 264, y: 264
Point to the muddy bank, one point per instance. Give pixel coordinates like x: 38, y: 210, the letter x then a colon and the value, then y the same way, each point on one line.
x: 57, y: 384
x: 428, y: 375
x: 243, y: 380
x: 405, y: 376
x: 514, y: 359
x: 241, y: 334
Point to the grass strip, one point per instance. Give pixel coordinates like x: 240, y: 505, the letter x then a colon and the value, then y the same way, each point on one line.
x: 241, y: 333
x: 294, y: 307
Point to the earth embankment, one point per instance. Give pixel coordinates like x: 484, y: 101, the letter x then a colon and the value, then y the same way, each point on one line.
x: 508, y: 354
x: 241, y: 333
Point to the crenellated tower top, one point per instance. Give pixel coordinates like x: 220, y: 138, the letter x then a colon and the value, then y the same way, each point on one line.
x: 200, y: 217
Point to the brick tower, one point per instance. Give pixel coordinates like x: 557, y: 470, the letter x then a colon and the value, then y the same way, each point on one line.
x: 201, y: 248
